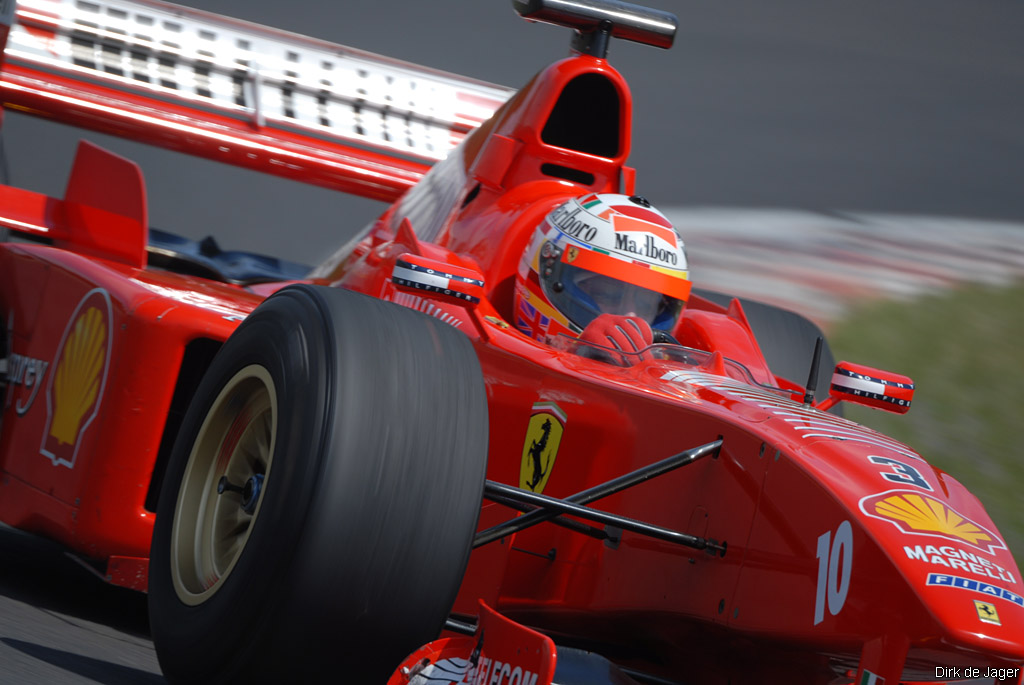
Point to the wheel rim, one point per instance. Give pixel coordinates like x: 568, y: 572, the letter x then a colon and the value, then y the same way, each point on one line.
x: 221, y: 492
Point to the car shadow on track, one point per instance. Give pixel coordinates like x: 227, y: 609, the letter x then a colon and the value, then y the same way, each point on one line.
x: 38, y: 572
x: 58, y: 620
x: 98, y: 670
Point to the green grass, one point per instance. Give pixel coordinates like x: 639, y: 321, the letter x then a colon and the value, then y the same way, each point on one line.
x: 965, y: 352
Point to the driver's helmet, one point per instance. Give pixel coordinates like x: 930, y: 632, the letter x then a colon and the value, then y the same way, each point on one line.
x: 600, y: 254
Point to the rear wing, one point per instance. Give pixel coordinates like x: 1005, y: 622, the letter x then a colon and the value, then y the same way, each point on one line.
x: 237, y: 92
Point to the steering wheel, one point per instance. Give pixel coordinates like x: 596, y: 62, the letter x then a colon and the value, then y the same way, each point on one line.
x: 661, y: 336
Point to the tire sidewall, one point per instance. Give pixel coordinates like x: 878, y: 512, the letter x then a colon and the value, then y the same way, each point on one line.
x: 368, y: 512
x: 295, y: 361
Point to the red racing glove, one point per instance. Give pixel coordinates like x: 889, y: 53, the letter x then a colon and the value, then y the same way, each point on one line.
x: 624, y: 333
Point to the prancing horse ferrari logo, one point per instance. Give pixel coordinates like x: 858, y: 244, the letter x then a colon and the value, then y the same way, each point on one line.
x: 540, y: 448
x: 987, y: 612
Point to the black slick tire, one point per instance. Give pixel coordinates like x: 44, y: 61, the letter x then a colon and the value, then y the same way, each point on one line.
x: 356, y: 433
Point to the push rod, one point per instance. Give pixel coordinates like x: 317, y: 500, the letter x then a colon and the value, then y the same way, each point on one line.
x: 562, y: 506
x: 457, y: 626
x: 574, y: 526
x: 597, y: 492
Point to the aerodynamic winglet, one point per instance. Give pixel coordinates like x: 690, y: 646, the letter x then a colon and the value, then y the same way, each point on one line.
x: 597, y: 20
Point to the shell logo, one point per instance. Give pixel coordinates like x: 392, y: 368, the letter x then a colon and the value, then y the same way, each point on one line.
x: 78, y: 381
x: 916, y: 513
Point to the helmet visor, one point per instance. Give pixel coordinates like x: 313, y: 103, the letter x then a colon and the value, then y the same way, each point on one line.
x: 583, y: 295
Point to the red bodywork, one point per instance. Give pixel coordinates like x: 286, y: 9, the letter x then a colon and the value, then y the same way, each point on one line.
x: 847, y: 554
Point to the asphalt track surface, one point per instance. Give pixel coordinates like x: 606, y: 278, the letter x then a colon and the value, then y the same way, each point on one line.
x: 60, y: 624
x: 830, y: 110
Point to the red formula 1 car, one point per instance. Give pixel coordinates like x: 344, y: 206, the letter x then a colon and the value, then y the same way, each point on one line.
x: 318, y: 474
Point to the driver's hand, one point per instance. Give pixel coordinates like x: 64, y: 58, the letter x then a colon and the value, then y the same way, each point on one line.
x: 624, y: 333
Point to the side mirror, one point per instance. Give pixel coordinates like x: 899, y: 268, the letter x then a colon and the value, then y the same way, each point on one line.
x: 871, y: 387
x: 436, y: 279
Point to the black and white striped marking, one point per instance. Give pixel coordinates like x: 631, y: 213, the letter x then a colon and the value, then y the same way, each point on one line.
x: 264, y: 75
x: 423, y: 278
